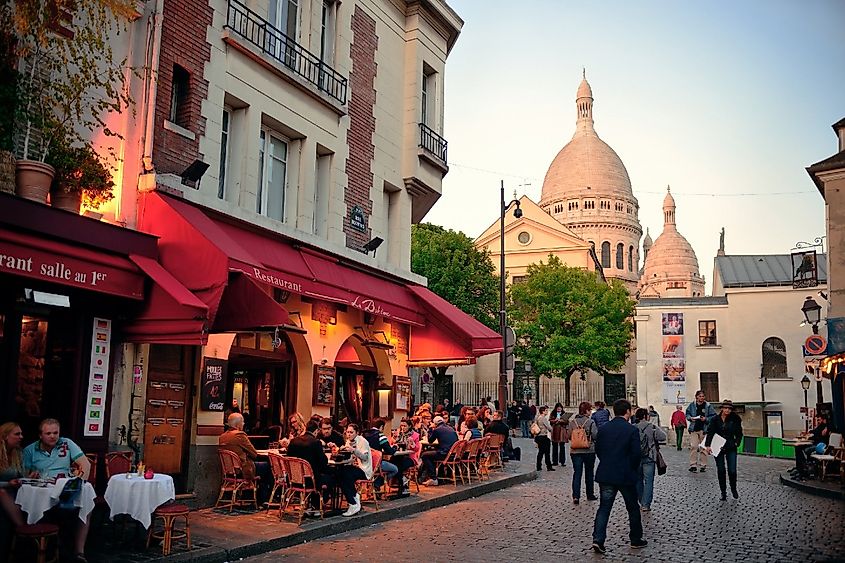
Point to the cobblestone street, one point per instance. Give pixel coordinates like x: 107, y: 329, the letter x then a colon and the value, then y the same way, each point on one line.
x: 537, y: 521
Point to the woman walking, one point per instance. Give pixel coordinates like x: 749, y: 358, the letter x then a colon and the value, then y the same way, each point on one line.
x: 650, y: 435
x: 541, y: 438
x: 559, y: 421
x: 582, y: 451
x: 728, y: 425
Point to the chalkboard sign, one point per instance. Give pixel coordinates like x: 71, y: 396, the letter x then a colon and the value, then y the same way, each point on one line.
x: 324, y: 383
x: 213, y: 385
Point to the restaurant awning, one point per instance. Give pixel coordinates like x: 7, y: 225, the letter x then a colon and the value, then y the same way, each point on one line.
x: 245, y: 306
x: 451, y: 336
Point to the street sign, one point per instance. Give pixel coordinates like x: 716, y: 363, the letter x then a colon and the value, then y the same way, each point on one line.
x: 815, y: 344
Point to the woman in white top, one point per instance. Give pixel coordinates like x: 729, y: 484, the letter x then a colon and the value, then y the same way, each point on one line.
x: 541, y: 438
x: 360, y: 469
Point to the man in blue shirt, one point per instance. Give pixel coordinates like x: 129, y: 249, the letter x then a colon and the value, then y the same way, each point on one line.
x: 445, y: 437
x: 54, y: 457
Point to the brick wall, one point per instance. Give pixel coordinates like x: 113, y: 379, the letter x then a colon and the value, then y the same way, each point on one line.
x: 362, y: 123
x: 183, y: 42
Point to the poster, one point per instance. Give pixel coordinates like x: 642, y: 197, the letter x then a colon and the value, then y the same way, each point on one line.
x: 213, y: 385
x: 324, y: 384
x: 402, y: 392
x: 98, y: 378
x: 673, y: 359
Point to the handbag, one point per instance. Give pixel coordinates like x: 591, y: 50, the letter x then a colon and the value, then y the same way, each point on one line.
x: 661, y: 463
x: 535, y: 429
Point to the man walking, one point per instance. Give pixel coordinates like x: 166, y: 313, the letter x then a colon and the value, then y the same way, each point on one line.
x: 698, y: 416
x: 679, y: 423
x: 617, y: 445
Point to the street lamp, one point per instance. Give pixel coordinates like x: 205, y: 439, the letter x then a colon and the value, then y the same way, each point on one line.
x: 805, y: 385
x: 503, y: 321
x: 812, y: 313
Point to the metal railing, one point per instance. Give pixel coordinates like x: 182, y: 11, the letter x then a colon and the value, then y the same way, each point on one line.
x: 472, y: 393
x: 281, y: 48
x: 432, y: 142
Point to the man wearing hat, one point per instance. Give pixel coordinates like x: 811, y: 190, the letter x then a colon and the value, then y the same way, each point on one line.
x: 728, y: 425
x: 443, y: 436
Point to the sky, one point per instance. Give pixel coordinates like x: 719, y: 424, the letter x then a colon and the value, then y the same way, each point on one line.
x: 727, y: 102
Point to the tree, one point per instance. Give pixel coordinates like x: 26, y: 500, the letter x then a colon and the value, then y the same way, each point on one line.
x: 568, y: 320
x: 458, y: 272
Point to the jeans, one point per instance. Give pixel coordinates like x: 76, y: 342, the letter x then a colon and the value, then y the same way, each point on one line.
x: 730, y: 456
x: 607, y: 494
x: 559, y: 453
x: 390, y: 471
x: 679, y: 437
x: 580, y: 463
x: 523, y: 425
x: 645, y: 483
x: 265, y: 480
x: 429, y: 459
x: 347, y: 475
x: 543, y: 445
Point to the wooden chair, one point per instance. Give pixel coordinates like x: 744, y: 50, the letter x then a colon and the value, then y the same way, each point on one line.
x: 470, y: 456
x: 453, y: 462
x: 168, y: 513
x: 494, y: 452
x: 93, y: 459
x: 234, y: 482
x: 484, y: 458
x: 368, y: 486
x: 834, y: 444
x: 301, y: 484
x: 40, y: 534
x: 413, y: 475
x: 277, y: 466
x: 118, y: 462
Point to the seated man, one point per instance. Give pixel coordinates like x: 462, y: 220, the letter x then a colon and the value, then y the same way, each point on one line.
x: 235, y: 440
x: 309, y: 448
x: 328, y: 435
x: 53, y: 457
x: 445, y: 437
x: 819, y: 435
x: 378, y: 441
x: 498, y: 426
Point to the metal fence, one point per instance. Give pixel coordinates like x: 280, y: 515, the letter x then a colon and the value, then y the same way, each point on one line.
x: 432, y: 142
x: 554, y: 391
x: 471, y: 393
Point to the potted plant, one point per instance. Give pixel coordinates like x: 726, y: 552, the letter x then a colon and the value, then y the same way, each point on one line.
x: 81, y: 177
x: 8, y: 101
x: 69, y: 81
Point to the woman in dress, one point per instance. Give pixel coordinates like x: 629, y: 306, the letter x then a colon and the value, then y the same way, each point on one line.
x: 11, y: 470
x: 728, y: 425
x: 583, y: 459
x: 542, y: 438
x: 559, y: 421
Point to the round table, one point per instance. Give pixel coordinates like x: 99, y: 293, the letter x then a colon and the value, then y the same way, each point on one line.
x: 127, y: 493
x: 36, y: 500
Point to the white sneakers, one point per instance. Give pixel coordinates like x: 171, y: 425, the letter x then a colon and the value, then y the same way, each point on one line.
x: 354, y: 508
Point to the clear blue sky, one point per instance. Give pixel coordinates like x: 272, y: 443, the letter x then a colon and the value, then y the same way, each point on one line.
x: 727, y: 102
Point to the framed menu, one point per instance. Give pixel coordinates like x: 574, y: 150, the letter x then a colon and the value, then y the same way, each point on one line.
x: 213, y: 385
x: 324, y: 385
x: 402, y: 392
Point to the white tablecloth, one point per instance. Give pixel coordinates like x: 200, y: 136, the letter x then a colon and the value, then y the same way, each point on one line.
x: 35, y: 501
x: 138, y: 497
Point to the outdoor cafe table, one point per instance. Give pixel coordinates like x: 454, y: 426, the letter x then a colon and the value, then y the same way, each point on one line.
x: 35, y: 500
x: 128, y: 493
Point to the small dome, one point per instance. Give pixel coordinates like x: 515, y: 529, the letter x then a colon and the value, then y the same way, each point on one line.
x: 668, y: 201
x: 647, y: 242
x: 584, y: 90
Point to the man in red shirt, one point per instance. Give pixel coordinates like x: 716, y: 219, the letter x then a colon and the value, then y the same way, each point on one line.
x: 679, y: 423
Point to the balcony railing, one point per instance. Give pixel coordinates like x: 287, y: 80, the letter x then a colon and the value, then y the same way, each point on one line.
x: 281, y: 48
x: 432, y: 142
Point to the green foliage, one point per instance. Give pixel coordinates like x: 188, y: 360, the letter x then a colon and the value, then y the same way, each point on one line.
x: 67, y: 85
x: 567, y: 320
x: 456, y: 271
x: 79, y: 169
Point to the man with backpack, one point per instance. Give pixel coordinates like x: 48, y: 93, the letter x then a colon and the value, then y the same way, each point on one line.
x: 582, y: 452
x: 650, y: 436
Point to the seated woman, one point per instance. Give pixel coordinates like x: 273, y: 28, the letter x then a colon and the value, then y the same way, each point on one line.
x: 361, y: 468
x: 296, y: 425
x: 472, y: 431
x: 11, y: 470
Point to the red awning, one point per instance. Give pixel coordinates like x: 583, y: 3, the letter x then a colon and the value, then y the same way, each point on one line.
x: 57, y: 262
x: 450, y: 334
x: 171, y: 314
x: 245, y: 306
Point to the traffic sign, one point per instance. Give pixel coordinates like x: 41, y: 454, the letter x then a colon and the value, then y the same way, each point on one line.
x: 815, y: 344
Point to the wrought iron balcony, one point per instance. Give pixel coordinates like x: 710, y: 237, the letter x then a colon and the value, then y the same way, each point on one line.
x: 432, y: 142
x: 281, y: 48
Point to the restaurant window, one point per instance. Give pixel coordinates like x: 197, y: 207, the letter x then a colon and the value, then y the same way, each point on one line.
x: 774, y: 358
x: 707, y: 333
x: 620, y: 256
x: 179, y: 97
x: 272, y: 175
x: 605, y: 254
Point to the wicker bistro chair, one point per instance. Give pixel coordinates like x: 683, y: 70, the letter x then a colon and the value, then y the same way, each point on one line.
x: 484, y: 458
x: 168, y: 513
x: 453, y: 462
x: 470, y: 457
x: 300, y: 484
x: 118, y: 462
x: 367, y: 486
x: 234, y: 482
x: 835, y: 444
x: 494, y: 452
x: 40, y: 535
x: 277, y: 466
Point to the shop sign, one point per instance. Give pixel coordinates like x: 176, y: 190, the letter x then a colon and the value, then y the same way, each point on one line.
x: 804, y: 269
x: 31, y: 263
x: 98, y: 378
x: 213, y: 385
x: 358, y: 219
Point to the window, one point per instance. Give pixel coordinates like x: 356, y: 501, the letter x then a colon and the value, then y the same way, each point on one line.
x: 518, y: 279
x: 283, y: 16
x: 524, y: 237
x: 707, y: 333
x: 224, y: 153
x: 605, y: 254
x: 774, y: 358
x: 179, y: 97
x: 322, y: 190
x: 710, y: 386
x: 620, y: 256
x: 327, y: 31
x: 272, y: 175
x: 630, y: 258
x: 427, y: 95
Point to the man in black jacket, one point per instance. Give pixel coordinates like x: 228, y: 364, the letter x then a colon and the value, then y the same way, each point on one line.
x: 618, y: 449
x: 309, y: 448
x: 498, y: 426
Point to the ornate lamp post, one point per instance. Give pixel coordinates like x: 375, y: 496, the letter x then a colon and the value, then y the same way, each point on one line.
x: 805, y: 385
x: 503, y: 321
x: 813, y: 315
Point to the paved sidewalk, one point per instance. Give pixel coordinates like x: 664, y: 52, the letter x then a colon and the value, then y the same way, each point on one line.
x: 219, y: 536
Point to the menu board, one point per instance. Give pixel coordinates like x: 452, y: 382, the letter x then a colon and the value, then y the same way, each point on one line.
x: 213, y: 385
x: 324, y: 384
x: 98, y: 378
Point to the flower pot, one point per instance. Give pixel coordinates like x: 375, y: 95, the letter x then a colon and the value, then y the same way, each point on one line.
x: 7, y: 172
x: 33, y: 179
x: 69, y: 201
